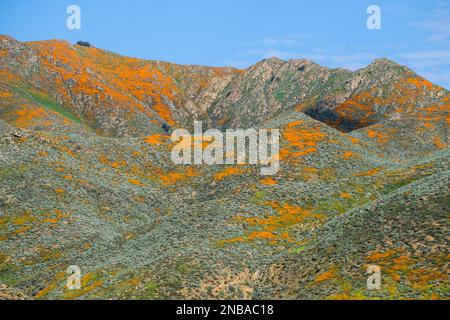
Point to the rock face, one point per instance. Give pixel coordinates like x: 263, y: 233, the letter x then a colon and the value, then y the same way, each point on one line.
x: 86, y: 179
x: 268, y: 88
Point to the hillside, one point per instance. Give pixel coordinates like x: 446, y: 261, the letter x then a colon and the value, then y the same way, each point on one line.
x: 86, y: 179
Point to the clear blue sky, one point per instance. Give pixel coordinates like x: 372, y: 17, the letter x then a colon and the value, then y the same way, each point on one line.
x: 241, y: 32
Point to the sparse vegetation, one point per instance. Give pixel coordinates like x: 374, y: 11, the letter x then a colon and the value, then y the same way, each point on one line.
x: 86, y: 178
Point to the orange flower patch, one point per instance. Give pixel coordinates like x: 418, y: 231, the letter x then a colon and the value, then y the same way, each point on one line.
x: 377, y: 256
x: 26, y: 116
x: 326, y: 276
x: 275, y: 227
x: 136, y: 182
x: 153, y: 140
x: 356, y: 110
x: 420, y: 83
x: 438, y: 143
x: 381, y: 136
x: 172, y: 178
x: 302, y: 140
x: 269, y: 182
x: 368, y: 173
x: 230, y: 171
x: 347, y: 155
x: 5, y: 94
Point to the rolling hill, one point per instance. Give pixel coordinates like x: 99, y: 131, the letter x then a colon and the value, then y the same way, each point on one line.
x: 87, y: 179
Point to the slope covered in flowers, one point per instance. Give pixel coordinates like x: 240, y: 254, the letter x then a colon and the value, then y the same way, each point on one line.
x: 86, y: 178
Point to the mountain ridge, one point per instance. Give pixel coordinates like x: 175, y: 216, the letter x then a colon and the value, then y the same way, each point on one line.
x: 218, y: 95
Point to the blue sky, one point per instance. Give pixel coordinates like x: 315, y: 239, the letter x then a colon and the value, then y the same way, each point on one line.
x: 239, y: 33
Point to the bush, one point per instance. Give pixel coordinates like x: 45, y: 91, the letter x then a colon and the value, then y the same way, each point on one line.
x: 84, y: 44
x: 166, y: 127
